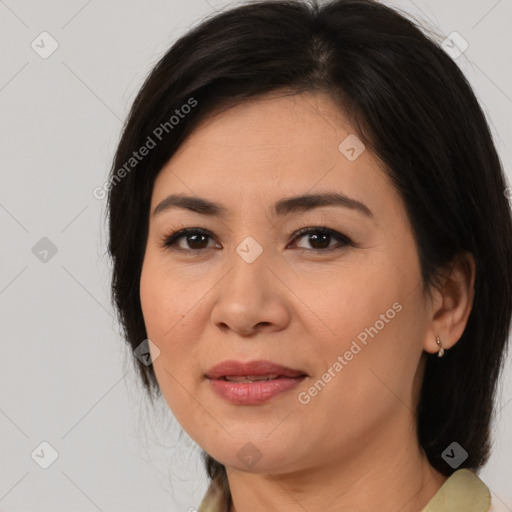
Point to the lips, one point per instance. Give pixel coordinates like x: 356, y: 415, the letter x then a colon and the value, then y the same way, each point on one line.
x: 254, y: 382
x: 249, y: 378
x: 251, y: 371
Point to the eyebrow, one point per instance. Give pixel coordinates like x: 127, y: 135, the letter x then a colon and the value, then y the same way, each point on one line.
x: 281, y: 208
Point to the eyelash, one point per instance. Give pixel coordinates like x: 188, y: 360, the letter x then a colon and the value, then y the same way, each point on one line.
x: 169, y: 241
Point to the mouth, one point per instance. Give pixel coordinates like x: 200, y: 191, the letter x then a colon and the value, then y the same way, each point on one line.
x: 254, y: 382
x: 238, y: 371
x: 251, y: 378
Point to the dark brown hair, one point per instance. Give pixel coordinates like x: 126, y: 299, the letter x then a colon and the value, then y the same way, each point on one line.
x: 411, y: 106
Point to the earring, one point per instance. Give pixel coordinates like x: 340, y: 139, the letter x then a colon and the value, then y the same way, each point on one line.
x: 440, y: 353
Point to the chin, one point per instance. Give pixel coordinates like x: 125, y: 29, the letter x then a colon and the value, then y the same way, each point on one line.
x: 256, y: 456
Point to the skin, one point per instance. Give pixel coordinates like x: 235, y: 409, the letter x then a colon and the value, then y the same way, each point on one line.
x: 298, y: 307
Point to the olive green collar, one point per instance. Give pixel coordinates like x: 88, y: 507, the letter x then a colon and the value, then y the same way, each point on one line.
x: 463, y: 491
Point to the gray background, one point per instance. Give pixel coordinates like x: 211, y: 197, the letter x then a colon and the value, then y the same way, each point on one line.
x: 66, y: 376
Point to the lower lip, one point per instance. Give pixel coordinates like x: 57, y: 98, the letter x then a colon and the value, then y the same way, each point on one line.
x: 257, y: 392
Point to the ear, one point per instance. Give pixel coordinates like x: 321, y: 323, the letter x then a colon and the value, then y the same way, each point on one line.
x: 452, y: 303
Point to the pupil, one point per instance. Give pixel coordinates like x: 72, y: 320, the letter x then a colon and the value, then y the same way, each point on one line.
x: 194, y: 239
x: 315, y: 238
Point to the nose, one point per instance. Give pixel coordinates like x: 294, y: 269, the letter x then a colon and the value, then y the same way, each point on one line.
x: 251, y: 298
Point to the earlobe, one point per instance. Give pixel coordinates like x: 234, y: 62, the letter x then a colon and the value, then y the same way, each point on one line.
x: 453, y: 304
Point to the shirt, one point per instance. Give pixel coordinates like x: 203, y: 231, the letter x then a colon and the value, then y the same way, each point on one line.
x: 463, y: 491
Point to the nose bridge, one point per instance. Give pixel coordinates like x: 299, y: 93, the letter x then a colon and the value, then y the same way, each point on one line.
x: 249, y: 294
x: 248, y: 271
x: 252, y: 239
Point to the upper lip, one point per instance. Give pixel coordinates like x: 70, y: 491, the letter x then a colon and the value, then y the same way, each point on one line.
x: 233, y: 368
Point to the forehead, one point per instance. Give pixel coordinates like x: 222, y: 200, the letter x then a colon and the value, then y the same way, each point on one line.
x: 268, y: 147
x: 273, y: 126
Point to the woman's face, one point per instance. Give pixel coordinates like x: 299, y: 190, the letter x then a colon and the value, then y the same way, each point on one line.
x: 344, y: 307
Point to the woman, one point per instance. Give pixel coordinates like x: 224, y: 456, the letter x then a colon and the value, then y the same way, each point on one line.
x: 310, y: 236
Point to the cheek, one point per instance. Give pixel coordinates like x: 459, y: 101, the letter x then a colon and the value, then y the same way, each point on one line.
x: 376, y: 326
x: 152, y: 295
x: 368, y: 376
x: 170, y: 308
x: 165, y: 299
x: 375, y: 362
x: 358, y: 305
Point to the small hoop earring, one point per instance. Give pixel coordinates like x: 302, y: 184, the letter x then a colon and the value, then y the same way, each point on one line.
x: 440, y: 353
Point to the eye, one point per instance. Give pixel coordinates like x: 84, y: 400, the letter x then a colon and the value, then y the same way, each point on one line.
x: 320, y: 238
x: 195, y: 238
